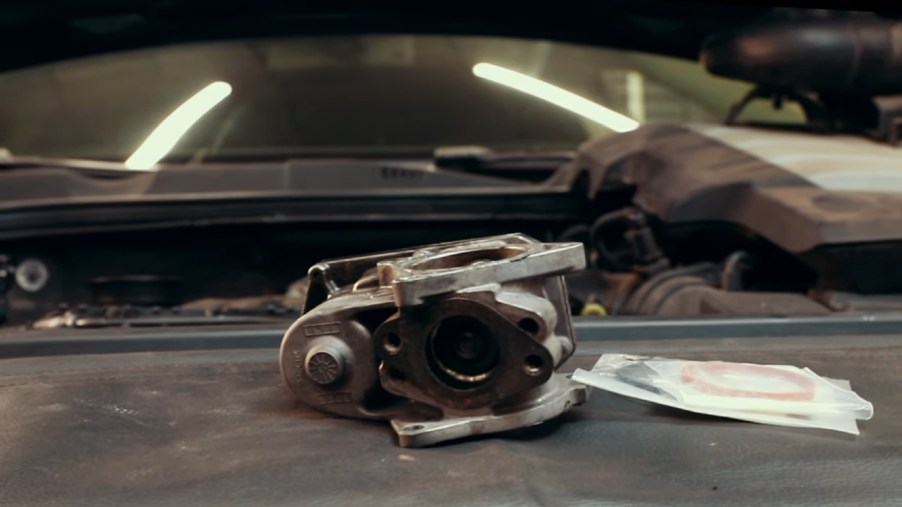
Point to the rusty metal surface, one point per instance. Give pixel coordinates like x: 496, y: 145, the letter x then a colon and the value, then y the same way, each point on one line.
x: 446, y: 340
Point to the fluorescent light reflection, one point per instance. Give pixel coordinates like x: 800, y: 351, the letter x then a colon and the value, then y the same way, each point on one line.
x: 557, y: 96
x: 169, y: 131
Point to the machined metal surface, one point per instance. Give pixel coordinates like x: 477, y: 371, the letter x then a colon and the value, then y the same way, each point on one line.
x: 553, y: 399
x: 446, y: 340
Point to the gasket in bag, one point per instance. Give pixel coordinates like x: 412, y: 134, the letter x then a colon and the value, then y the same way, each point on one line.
x: 781, y: 395
x: 708, y: 377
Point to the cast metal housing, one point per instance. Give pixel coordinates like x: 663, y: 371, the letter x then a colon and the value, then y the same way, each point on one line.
x: 445, y: 340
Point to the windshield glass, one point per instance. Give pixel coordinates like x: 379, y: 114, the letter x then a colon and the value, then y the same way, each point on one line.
x: 367, y: 95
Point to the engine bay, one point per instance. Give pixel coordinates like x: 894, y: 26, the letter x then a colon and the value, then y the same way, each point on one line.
x: 676, y: 221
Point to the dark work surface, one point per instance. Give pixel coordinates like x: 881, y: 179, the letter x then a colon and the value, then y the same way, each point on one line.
x: 218, y: 428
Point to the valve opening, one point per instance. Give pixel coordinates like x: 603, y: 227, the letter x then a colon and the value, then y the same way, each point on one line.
x: 392, y: 343
x: 533, y: 364
x: 463, y: 353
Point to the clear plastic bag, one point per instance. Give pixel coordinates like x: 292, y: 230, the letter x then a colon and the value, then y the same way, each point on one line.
x: 768, y: 394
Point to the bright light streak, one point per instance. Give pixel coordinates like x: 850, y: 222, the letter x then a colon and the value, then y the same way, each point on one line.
x: 557, y: 96
x: 169, y: 131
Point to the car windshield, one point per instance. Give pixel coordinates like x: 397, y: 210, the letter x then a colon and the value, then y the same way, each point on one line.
x: 365, y: 95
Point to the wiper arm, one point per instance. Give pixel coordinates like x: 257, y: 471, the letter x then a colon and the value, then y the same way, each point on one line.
x: 83, y: 165
x: 523, y: 165
x: 527, y: 166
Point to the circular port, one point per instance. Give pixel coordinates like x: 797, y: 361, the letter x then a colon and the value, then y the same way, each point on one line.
x: 463, y: 352
x: 32, y: 275
x: 529, y: 325
x: 533, y: 364
x: 392, y: 343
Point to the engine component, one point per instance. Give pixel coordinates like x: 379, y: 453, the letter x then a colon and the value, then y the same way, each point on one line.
x: 828, y: 207
x: 693, y: 290
x: 446, y: 340
x: 847, y: 302
x: 32, y: 275
x: 640, y: 253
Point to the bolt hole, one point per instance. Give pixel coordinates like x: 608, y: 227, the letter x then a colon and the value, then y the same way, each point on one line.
x: 415, y: 427
x: 396, y: 374
x: 392, y: 343
x: 533, y: 364
x: 529, y: 325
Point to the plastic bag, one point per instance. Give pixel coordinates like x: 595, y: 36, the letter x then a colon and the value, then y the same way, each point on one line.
x: 769, y: 394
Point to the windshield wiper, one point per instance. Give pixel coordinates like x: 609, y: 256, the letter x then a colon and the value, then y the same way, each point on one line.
x: 7, y: 161
x: 526, y: 166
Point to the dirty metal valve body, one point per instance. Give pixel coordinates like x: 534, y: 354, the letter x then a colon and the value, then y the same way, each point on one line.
x: 445, y: 341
